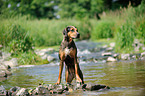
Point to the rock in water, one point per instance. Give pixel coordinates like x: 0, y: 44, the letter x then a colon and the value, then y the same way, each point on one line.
x: 2, y: 91
x: 12, y: 63
x: 22, y: 92
x: 96, y: 87
x: 45, y: 90
x: 2, y: 73
x: 40, y: 90
x: 50, y: 58
x: 125, y: 56
x: 111, y: 59
x: 107, y: 54
x: 13, y: 91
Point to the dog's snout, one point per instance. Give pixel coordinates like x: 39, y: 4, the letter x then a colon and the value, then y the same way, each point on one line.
x: 78, y: 35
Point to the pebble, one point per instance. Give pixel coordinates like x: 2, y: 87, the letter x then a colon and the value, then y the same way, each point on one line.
x: 111, y: 59
x: 107, y: 54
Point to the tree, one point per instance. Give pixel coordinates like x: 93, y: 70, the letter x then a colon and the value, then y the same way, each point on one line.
x: 36, y: 8
x: 80, y: 8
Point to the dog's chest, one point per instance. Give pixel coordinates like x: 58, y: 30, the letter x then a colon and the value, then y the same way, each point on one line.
x: 67, y: 51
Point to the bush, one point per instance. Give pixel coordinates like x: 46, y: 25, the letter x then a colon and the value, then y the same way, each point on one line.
x: 125, y: 37
x: 140, y: 31
x: 132, y: 28
x: 15, y: 38
x: 103, y: 29
x: 84, y: 29
x: 30, y: 57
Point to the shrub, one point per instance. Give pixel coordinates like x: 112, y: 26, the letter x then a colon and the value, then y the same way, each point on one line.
x: 140, y: 31
x: 103, y: 29
x: 49, y: 32
x: 30, y: 57
x: 84, y: 29
x: 125, y: 37
x: 15, y: 38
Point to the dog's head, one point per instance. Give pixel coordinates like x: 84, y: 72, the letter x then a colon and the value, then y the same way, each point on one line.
x: 71, y: 32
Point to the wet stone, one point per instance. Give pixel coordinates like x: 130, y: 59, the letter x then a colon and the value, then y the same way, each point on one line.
x: 22, y: 92
x: 112, y: 44
x: 13, y: 91
x: 50, y: 89
x: 111, y: 59
x: 12, y: 63
x: 2, y: 91
x: 3, y: 73
x: 107, y: 54
x: 125, y: 56
x: 109, y: 49
x: 96, y: 87
x: 40, y: 90
x: 50, y: 58
x: 143, y: 54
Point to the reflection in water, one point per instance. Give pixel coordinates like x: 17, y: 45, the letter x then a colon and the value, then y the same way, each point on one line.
x: 124, y: 78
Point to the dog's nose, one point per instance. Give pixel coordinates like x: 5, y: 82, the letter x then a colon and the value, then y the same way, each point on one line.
x: 78, y: 35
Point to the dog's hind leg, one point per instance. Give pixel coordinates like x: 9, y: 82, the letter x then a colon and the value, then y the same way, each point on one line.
x: 69, y: 74
x: 78, y: 72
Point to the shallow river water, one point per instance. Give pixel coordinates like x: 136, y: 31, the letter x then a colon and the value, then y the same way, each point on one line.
x: 126, y: 78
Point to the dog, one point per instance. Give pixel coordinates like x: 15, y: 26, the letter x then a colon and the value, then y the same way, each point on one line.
x: 68, y: 55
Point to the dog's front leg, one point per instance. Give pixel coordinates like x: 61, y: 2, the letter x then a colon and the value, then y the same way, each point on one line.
x: 79, y: 75
x: 60, y: 72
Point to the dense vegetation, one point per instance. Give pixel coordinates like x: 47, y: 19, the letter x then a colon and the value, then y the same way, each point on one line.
x: 28, y: 23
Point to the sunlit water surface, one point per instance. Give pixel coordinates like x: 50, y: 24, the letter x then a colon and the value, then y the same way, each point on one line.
x: 124, y: 78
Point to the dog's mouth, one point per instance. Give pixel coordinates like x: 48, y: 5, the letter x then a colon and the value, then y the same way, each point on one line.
x: 76, y: 37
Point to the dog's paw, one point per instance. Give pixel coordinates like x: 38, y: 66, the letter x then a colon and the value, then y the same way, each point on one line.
x: 57, y: 83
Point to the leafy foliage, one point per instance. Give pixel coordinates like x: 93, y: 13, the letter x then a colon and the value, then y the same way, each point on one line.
x: 125, y: 37
x: 132, y: 28
x: 103, y: 29
x: 35, y: 8
x: 30, y: 57
x: 61, y: 8
x: 16, y: 38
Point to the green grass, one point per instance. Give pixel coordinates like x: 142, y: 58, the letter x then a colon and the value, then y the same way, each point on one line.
x: 30, y: 58
x: 128, y: 24
x: 132, y: 28
x: 103, y: 29
x: 44, y: 32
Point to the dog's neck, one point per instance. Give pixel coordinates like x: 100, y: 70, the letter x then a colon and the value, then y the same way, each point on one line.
x: 67, y: 42
x: 67, y: 39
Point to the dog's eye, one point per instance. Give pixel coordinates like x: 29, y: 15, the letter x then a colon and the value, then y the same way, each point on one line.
x: 72, y: 30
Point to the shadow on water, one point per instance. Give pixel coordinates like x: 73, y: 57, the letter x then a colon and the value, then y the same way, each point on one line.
x: 126, y: 78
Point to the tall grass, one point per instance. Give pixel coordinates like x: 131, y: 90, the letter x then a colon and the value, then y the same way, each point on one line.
x: 132, y: 28
x: 15, y: 38
x: 45, y: 32
x: 103, y: 29
x: 125, y: 24
x: 125, y: 37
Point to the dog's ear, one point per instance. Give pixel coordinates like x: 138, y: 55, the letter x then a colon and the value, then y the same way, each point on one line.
x: 68, y: 29
x: 77, y: 29
x: 65, y: 31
